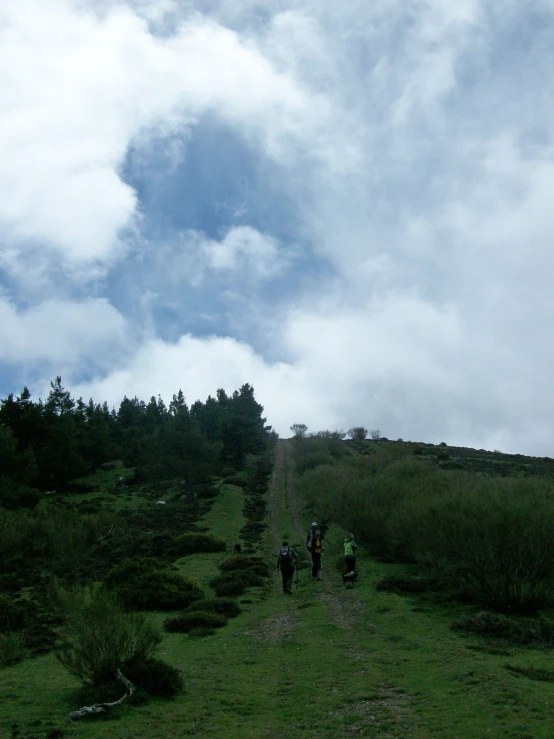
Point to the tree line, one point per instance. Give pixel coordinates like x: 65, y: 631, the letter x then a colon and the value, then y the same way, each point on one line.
x: 46, y: 445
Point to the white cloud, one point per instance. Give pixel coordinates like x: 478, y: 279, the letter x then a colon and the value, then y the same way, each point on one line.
x: 61, y: 332
x: 87, y: 85
x: 246, y: 251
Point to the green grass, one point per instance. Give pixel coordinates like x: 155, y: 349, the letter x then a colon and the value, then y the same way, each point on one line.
x: 327, y: 662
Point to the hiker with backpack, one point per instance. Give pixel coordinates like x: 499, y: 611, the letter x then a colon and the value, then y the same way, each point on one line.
x: 315, y: 545
x: 350, y: 547
x: 285, y: 562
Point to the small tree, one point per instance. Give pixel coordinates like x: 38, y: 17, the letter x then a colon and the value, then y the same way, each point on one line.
x: 299, y: 430
x: 375, y: 434
x: 357, y: 432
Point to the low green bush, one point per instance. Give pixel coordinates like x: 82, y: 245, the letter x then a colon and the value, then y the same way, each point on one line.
x: 406, y: 584
x: 227, y: 585
x: 12, y: 648
x: 144, y: 583
x: 156, y: 677
x: 235, y: 582
x: 207, y: 491
x: 235, y: 480
x: 193, y: 543
x: 537, y: 632
x: 245, y: 563
x: 184, y: 622
x: 13, y: 613
x: 224, y: 606
x: 532, y: 673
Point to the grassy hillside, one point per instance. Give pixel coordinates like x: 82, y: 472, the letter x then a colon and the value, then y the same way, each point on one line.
x: 374, y: 660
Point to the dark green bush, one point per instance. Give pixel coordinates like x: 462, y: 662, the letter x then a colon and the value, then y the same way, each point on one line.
x: 532, y: 673
x: 235, y: 582
x: 224, y: 606
x: 236, y: 480
x: 245, y: 563
x: 231, y: 584
x: 186, y: 621
x: 405, y: 584
x: 192, y: 543
x: 517, y: 631
x: 12, y: 648
x: 144, y: 583
x: 207, y: 491
x: 13, y: 613
x: 155, y: 677
x: 311, y: 461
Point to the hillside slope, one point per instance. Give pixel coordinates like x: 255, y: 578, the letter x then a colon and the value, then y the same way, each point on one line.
x: 327, y: 662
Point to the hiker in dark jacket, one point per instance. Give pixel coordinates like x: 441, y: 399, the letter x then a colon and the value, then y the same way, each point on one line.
x: 350, y: 547
x: 285, y: 562
x: 315, y: 546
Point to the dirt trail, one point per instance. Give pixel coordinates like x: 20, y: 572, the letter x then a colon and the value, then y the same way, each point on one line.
x: 343, y: 605
x: 274, y: 493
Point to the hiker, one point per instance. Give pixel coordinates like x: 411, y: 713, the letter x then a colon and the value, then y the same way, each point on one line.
x: 311, y: 535
x: 238, y: 549
x: 316, y: 549
x: 350, y: 547
x: 285, y: 562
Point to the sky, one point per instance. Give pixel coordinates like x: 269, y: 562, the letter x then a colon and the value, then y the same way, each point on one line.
x: 349, y: 206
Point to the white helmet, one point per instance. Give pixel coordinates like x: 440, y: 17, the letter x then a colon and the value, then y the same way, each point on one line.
x: 314, y: 523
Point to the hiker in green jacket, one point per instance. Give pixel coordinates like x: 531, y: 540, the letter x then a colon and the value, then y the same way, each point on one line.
x: 350, y: 547
x: 285, y: 562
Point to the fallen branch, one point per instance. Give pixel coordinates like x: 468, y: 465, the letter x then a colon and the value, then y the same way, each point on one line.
x: 101, y: 707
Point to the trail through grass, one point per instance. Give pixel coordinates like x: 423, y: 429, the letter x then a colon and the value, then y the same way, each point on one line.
x: 328, y: 662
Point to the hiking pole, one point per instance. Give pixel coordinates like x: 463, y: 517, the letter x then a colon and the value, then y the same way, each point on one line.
x: 297, y: 578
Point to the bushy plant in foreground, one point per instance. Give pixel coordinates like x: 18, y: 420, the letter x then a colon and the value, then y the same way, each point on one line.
x: 99, y: 637
x: 144, y: 583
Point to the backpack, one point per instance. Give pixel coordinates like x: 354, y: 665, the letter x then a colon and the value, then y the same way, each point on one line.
x: 286, y: 555
x: 316, y: 545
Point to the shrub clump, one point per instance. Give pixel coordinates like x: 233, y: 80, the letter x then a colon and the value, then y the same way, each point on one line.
x: 144, y: 583
x: 256, y: 564
x: 224, y: 606
x: 406, y: 584
x: 13, y: 613
x: 520, y: 632
x: 98, y: 637
x: 12, y: 648
x: 185, y: 622
x: 156, y: 677
x: 193, y: 542
x: 235, y: 582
